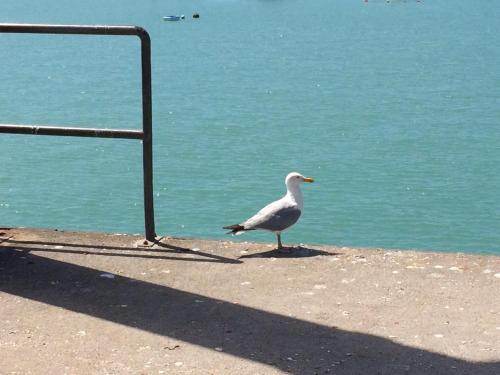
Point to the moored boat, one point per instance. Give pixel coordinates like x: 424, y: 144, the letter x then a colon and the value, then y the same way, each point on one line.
x: 173, y: 18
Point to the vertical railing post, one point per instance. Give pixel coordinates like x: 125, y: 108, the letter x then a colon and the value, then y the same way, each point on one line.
x: 147, y: 143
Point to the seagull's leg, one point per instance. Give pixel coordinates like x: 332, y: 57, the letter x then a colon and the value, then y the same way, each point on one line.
x: 280, y: 245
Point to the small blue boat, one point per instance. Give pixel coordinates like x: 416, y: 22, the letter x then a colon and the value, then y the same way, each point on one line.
x: 173, y: 18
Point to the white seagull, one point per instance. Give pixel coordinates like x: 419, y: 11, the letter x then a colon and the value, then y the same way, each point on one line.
x: 278, y: 215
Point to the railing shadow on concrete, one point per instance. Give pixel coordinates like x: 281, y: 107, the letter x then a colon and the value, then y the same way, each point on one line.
x: 162, y: 251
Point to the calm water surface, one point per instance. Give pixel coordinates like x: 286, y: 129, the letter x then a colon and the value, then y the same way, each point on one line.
x: 394, y: 109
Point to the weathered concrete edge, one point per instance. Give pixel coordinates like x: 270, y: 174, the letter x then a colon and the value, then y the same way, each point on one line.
x: 139, y: 238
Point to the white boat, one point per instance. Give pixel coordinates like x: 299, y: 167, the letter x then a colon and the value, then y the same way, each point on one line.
x: 173, y: 18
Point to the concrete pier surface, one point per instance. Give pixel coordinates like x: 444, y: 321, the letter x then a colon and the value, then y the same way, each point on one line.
x: 87, y: 303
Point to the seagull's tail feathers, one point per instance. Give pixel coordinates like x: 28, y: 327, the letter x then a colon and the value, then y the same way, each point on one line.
x: 236, y: 229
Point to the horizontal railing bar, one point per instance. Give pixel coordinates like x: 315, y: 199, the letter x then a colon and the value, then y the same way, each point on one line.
x: 72, y: 132
x: 72, y: 29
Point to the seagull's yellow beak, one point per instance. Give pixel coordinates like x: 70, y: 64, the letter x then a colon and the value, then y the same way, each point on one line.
x: 308, y: 179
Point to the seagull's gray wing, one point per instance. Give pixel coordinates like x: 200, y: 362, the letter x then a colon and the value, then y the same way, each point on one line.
x: 275, y: 220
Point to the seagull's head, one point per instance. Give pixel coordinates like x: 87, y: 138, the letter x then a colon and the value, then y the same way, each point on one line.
x: 295, y: 179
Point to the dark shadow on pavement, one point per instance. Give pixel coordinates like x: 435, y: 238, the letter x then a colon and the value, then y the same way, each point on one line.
x: 289, y: 344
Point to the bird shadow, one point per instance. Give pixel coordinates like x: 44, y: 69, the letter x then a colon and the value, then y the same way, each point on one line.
x: 290, y: 252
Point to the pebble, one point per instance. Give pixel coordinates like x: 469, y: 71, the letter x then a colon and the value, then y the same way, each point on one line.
x: 497, y: 275
x: 320, y: 286
x: 308, y: 293
x: 195, y: 249
x: 107, y: 275
x: 245, y: 283
x: 178, y: 364
x: 360, y: 260
x: 218, y: 348
x: 438, y: 336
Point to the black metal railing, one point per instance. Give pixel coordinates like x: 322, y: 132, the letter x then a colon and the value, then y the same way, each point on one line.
x: 146, y: 135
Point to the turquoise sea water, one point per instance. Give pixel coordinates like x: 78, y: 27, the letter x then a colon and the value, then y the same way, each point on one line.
x: 394, y: 109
